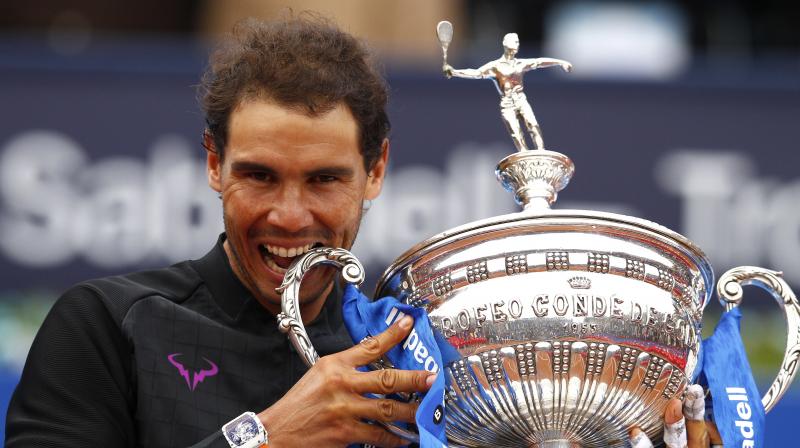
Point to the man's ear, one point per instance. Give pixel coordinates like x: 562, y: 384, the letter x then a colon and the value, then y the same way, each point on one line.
x: 377, y: 173
x: 213, y: 163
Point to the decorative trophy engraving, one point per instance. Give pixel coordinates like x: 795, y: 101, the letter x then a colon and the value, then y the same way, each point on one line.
x: 572, y: 326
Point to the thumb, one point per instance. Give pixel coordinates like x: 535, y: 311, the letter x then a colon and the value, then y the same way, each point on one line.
x: 674, y: 425
x: 639, y: 439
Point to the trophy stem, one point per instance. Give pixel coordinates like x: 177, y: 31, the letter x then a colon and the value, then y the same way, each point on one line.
x: 535, y: 177
x: 557, y: 444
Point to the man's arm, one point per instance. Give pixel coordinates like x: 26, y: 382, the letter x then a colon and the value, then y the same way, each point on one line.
x: 533, y: 64
x: 75, y: 388
x: 484, y: 72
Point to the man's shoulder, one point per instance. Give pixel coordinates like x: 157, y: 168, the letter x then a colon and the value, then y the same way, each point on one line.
x: 119, y: 293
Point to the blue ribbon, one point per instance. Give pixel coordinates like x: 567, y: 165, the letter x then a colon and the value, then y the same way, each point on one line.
x: 421, y: 350
x: 736, y: 402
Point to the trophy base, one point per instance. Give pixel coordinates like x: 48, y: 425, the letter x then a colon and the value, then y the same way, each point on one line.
x: 558, y: 393
x: 535, y: 177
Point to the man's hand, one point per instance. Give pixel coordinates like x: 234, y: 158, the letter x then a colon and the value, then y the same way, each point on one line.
x: 326, y: 408
x: 674, y: 430
x: 566, y: 66
x: 683, y: 429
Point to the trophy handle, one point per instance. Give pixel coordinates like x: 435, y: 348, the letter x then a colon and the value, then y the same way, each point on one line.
x: 729, y: 290
x: 290, y: 321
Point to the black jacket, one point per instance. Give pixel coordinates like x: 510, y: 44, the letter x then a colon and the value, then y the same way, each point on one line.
x: 158, y: 359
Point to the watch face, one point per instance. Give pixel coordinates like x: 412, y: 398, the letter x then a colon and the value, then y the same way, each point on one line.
x: 241, y: 430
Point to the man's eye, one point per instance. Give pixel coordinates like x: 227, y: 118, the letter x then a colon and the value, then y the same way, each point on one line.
x: 259, y: 176
x: 324, y: 178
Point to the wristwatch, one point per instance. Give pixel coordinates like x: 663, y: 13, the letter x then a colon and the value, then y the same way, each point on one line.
x: 245, y: 431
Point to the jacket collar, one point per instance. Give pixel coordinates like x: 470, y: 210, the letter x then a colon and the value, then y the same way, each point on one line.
x: 238, y: 302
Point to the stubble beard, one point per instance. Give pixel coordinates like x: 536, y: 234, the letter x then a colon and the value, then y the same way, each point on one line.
x: 250, y: 283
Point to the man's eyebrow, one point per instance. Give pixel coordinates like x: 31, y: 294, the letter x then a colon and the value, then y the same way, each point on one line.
x: 338, y: 171
x: 333, y: 170
x: 242, y: 166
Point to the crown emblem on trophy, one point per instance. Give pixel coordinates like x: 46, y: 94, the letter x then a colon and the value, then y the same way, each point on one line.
x: 580, y: 283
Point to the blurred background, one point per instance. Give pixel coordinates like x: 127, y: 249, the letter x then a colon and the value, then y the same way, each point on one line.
x: 682, y: 112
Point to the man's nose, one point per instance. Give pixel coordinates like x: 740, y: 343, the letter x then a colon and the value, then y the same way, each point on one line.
x: 290, y: 211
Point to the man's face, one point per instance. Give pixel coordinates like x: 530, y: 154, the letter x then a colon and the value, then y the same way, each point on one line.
x: 290, y: 182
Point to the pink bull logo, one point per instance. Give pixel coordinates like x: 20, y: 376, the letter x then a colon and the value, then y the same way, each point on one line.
x: 192, y: 380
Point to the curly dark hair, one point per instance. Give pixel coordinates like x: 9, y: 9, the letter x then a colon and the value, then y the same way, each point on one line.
x: 302, y: 62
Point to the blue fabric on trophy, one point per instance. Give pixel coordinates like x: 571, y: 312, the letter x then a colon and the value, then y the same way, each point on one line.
x: 421, y: 350
x: 736, y: 405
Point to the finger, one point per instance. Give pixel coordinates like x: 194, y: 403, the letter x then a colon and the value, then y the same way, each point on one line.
x: 372, y: 348
x: 673, y: 412
x: 694, y: 403
x: 674, y: 425
x: 387, y: 381
x: 639, y: 439
x: 694, y: 412
x: 675, y: 434
x: 385, y: 410
x: 713, y: 434
x: 374, y: 435
x: 696, y: 434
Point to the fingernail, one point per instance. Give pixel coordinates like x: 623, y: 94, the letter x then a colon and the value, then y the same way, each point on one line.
x: 406, y: 322
x: 430, y: 379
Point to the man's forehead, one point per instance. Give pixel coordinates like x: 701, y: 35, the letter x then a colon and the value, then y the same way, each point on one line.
x: 310, y: 107
x: 266, y: 112
x: 261, y: 129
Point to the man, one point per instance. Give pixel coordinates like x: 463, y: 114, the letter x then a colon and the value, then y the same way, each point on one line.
x: 507, y: 73
x: 296, y: 143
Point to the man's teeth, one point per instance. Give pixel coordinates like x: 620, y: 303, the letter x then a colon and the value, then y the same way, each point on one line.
x: 283, y: 253
x: 274, y: 266
x: 290, y: 252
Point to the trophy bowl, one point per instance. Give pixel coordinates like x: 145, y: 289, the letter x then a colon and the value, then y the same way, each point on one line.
x: 572, y: 326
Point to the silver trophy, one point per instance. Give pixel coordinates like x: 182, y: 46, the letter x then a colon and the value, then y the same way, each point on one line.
x: 572, y: 325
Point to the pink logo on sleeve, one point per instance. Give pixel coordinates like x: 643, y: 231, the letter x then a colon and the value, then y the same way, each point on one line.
x: 192, y: 380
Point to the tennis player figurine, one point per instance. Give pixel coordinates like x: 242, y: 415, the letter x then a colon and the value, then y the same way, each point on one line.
x: 507, y: 73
